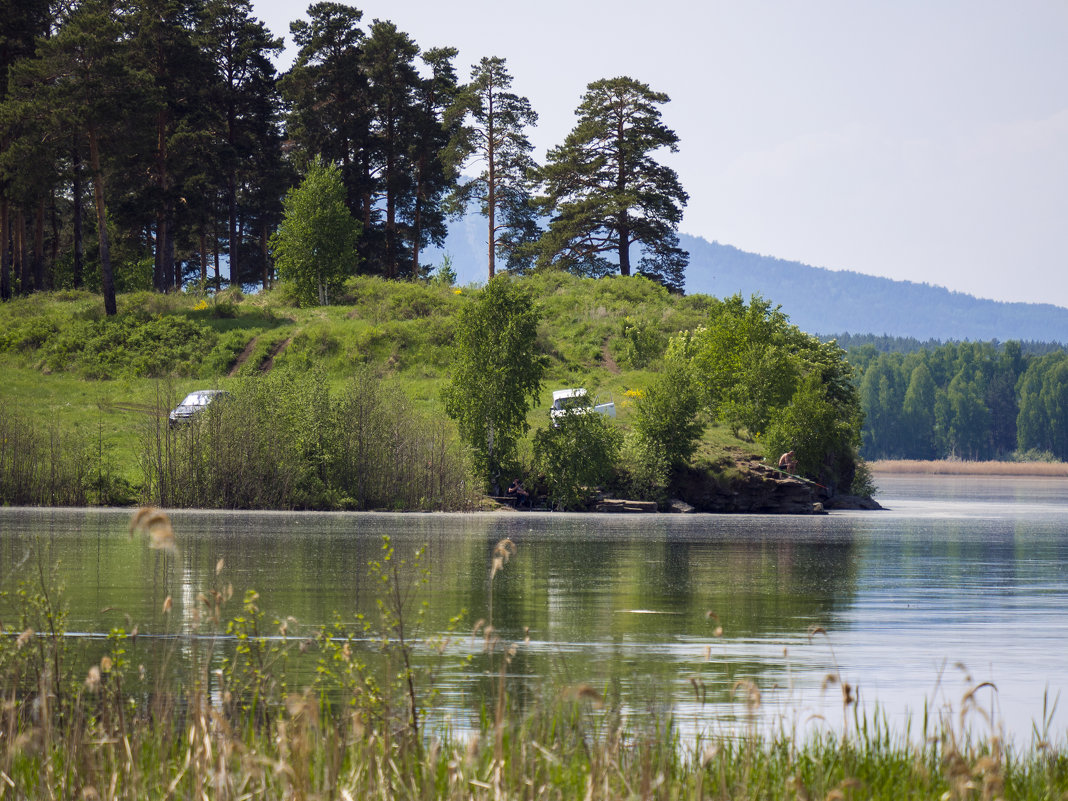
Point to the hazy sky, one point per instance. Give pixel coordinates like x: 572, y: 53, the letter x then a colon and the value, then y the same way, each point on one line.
x: 918, y: 140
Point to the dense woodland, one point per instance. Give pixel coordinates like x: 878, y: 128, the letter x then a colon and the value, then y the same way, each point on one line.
x: 964, y: 400
x: 143, y: 143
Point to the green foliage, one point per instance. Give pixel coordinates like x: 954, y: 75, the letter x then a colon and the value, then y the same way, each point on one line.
x: 959, y: 399
x: 745, y: 361
x: 824, y: 441
x: 576, y: 455
x: 496, y: 375
x: 789, y: 390
x: 641, y: 343
x: 643, y: 471
x: 492, y: 131
x: 129, y: 346
x: 282, y: 441
x: 668, y: 413
x: 444, y: 274
x: 1042, y: 423
x: 315, y: 245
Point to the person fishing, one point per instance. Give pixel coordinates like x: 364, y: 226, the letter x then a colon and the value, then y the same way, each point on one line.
x: 787, y: 462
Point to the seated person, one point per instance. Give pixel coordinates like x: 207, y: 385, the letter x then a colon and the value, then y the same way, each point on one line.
x: 518, y: 491
x: 787, y: 462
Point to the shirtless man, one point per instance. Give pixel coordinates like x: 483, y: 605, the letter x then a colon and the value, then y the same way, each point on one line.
x: 787, y: 462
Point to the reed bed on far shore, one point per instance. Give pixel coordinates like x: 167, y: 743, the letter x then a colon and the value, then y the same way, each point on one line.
x: 963, y: 468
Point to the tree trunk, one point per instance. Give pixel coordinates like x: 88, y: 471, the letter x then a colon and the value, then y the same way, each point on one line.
x: 5, y: 252
x: 203, y: 254
x: 491, y: 186
x: 38, y: 247
x: 77, y: 189
x: 231, y: 174
x: 106, y: 275
x: 215, y: 254
x: 265, y: 253
x: 624, y: 248
x: 21, y: 254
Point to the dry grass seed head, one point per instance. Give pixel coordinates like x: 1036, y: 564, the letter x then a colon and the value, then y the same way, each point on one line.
x: 24, y: 638
x: 752, y: 692
x: 157, y: 525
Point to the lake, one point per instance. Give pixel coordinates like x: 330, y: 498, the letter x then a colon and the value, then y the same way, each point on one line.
x: 961, y: 580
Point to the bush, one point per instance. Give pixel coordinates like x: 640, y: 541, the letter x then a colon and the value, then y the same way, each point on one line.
x: 668, y: 413
x: 824, y: 444
x: 643, y: 472
x: 575, y: 456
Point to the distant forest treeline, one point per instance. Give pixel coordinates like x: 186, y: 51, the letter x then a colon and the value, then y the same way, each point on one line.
x: 963, y: 400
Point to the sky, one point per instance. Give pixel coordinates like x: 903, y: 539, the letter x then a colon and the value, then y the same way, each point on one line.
x: 922, y: 140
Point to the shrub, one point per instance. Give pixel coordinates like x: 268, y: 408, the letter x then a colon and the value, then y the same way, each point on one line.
x: 643, y: 471
x: 668, y: 413
x: 282, y: 442
x: 576, y: 455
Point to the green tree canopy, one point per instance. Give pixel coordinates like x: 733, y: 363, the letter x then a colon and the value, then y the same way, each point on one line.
x: 760, y: 374
x: 496, y: 375
x: 607, y: 191
x: 315, y: 246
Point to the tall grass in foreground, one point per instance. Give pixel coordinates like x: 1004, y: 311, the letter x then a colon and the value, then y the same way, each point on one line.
x: 280, y: 441
x: 230, y: 725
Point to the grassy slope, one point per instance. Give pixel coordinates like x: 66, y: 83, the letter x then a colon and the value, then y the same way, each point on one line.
x: 403, y: 330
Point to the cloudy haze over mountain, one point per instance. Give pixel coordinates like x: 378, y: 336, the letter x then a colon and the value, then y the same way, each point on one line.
x: 913, y: 140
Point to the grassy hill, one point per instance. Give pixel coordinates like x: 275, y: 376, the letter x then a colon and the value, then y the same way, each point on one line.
x: 68, y: 368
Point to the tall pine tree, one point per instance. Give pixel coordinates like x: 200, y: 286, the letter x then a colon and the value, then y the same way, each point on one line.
x: 606, y: 190
x: 495, y: 137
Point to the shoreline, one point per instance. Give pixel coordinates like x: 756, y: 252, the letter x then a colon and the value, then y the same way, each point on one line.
x: 964, y: 468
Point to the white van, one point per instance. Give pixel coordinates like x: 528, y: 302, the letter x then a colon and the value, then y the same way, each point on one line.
x: 577, y: 401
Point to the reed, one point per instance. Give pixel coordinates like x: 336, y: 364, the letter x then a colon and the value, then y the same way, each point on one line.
x: 43, y: 464
x: 964, y: 468
x: 281, y: 441
x: 99, y: 728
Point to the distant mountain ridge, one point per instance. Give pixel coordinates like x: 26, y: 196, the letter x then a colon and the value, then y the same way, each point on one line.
x: 819, y: 300
x: 825, y: 301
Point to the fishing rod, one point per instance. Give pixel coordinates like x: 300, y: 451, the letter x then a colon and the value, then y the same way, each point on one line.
x: 799, y: 478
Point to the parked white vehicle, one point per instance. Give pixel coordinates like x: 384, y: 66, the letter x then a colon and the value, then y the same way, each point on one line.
x: 577, y: 401
x: 193, y: 404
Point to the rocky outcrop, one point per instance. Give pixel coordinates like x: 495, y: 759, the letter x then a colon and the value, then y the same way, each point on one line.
x: 747, y: 486
x: 851, y: 502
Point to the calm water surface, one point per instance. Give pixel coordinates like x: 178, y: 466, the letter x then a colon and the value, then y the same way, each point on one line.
x: 961, y: 580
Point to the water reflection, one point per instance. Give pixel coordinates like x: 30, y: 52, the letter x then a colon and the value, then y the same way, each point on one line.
x: 630, y: 605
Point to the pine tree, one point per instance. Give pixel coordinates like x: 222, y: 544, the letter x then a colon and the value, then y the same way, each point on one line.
x: 247, y: 110
x: 606, y: 191
x: 389, y: 64
x: 434, y: 172
x: 21, y: 24
x: 496, y: 138
x: 328, y: 102
x: 85, y: 76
